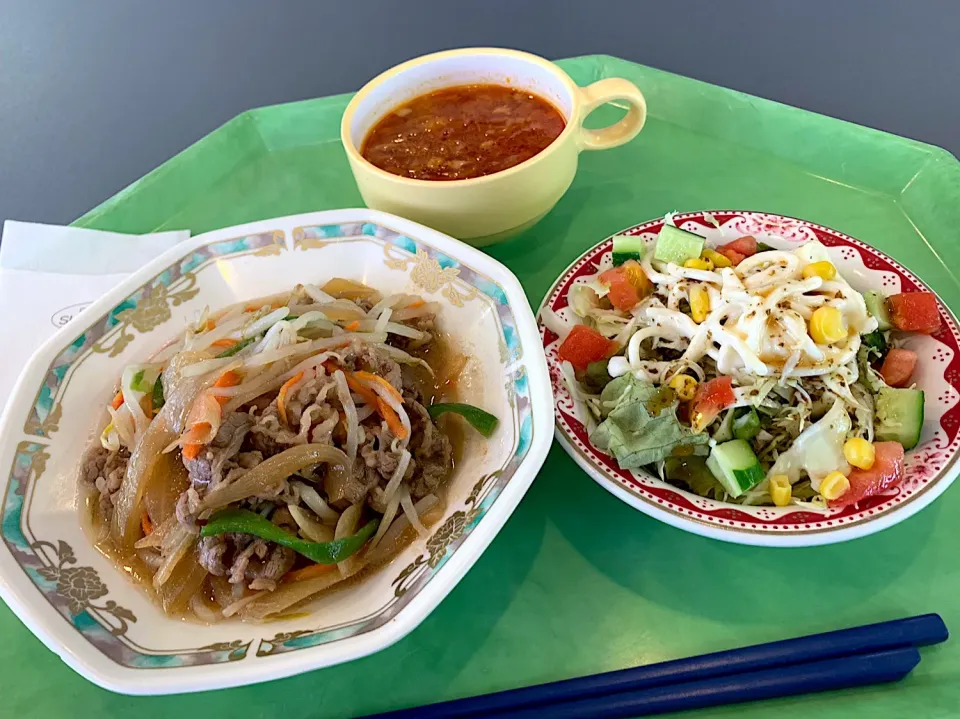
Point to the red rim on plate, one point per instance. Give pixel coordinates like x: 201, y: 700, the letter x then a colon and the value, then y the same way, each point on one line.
x: 930, y: 467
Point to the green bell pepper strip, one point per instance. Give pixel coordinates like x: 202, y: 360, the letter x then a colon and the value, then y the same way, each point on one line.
x: 484, y: 422
x: 158, y: 399
x: 246, y: 522
x: 231, y: 351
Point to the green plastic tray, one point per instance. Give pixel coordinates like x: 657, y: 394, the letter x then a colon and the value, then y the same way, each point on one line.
x: 578, y: 582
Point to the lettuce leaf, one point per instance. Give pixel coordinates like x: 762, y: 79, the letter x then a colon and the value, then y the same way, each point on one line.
x: 633, y: 434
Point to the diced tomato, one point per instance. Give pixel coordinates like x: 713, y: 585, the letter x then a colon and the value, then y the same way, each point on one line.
x: 735, y: 257
x: 712, y: 398
x: 915, y: 312
x: 898, y: 367
x: 886, y: 473
x: 746, y: 245
x: 585, y: 345
x: 628, y: 285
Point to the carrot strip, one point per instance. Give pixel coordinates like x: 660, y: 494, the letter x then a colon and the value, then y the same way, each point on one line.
x: 210, y: 325
x: 225, y: 343
x: 393, y: 421
x: 192, y: 451
x: 417, y: 303
x: 117, y: 400
x: 369, y: 396
x: 314, y: 570
x: 353, y: 326
x: 282, y: 395
x: 389, y: 388
x: 145, y: 524
x: 230, y: 378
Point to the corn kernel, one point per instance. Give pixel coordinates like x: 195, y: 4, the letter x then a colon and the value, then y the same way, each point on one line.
x: 859, y: 452
x: 827, y: 325
x: 699, y: 303
x: 716, y: 258
x: 698, y: 263
x: 823, y: 269
x: 834, y: 486
x: 780, y: 489
x: 684, y: 385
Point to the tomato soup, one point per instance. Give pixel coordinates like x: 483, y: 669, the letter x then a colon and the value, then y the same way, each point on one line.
x: 462, y: 132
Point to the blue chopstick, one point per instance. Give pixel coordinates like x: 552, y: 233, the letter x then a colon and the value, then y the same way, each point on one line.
x: 910, y: 632
x: 857, y: 670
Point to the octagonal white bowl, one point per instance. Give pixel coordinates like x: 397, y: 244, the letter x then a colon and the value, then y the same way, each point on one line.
x: 83, y: 608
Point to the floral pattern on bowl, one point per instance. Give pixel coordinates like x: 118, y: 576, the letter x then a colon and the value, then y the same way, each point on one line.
x: 76, y: 600
x: 930, y: 467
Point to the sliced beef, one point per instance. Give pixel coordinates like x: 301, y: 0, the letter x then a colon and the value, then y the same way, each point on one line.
x: 246, y: 559
x: 211, y: 553
x: 361, y: 356
x: 104, y: 470
x: 377, y: 453
x: 207, y: 469
x: 431, y: 449
x: 425, y: 323
x: 312, y: 392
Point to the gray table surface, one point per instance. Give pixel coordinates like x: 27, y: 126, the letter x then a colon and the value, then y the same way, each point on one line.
x: 95, y: 93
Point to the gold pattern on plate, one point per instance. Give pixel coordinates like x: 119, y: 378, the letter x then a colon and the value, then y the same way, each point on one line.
x: 427, y: 274
x: 268, y: 646
x: 150, y: 313
x: 448, y: 533
x: 80, y: 586
x: 47, y: 426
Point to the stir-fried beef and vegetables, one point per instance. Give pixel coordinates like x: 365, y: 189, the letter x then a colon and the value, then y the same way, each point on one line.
x: 745, y: 373
x: 277, y: 449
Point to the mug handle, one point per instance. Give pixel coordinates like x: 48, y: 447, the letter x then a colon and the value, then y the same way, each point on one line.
x: 604, y: 91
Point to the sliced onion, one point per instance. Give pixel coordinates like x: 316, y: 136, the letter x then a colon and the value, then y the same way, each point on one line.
x: 388, y: 516
x: 410, y: 512
x: 208, y: 365
x: 262, y: 605
x: 347, y: 525
x: 272, y: 471
x: 397, y: 476
x: 349, y: 289
x: 409, y: 313
x: 317, y: 319
x: 180, y: 395
x: 202, y: 610
x: 335, y: 310
x: 383, y: 320
x: 174, y: 548
x: 311, y: 528
x: 312, y: 499
x: 318, y: 295
x: 398, y: 355
x: 389, y: 541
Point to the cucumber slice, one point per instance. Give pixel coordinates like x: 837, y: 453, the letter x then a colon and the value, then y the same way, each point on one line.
x: 627, y: 247
x: 676, y: 245
x: 747, y: 425
x: 899, y: 416
x: 724, y: 432
x: 877, y: 307
x: 735, y: 466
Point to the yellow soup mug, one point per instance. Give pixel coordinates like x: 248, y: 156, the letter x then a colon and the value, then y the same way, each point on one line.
x: 492, y: 208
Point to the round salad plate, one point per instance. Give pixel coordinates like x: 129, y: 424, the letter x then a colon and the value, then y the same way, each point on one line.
x: 929, y: 468
x: 83, y: 607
